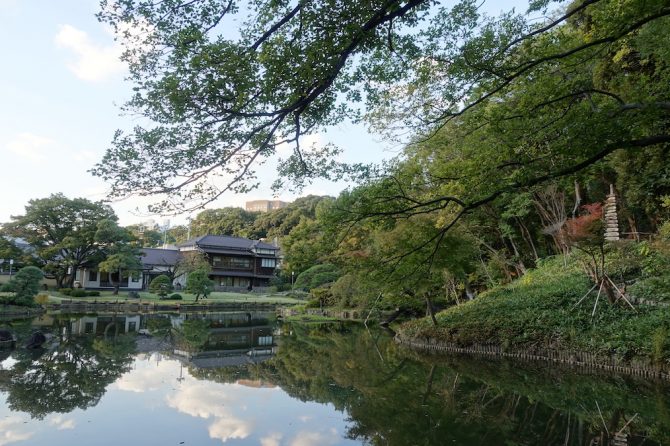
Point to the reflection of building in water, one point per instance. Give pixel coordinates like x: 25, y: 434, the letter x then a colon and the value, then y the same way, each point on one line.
x: 234, y: 339
x: 255, y: 383
x: 98, y: 324
x: 225, y: 358
x: 226, y: 319
x: 240, y: 337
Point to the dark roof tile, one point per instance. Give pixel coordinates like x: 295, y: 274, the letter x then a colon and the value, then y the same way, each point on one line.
x: 164, y: 257
x: 225, y: 241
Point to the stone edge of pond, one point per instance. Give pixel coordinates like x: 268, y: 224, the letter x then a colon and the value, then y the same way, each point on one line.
x: 20, y: 311
x: 134, y: 307
x: 582, y: 360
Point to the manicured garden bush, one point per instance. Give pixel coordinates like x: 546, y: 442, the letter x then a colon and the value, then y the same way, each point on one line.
x: 24, y: 286
x: 176, y: 296
x: 316, y: 276
x: 199, y: 283
x: 161, y: 285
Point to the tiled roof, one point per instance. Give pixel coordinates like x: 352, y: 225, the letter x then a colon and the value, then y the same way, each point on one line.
x: 225, y: 241
x: 163, y: 257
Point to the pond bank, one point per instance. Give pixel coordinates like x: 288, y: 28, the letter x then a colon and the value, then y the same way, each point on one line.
x: 150, y: 307
x: 581, y: 360
x: 548, y: 315
x: 14, y: 310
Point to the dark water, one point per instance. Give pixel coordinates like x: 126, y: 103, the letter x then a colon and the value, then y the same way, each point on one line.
x: 242, y: 378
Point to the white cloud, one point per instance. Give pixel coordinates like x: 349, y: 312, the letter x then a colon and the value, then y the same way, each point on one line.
x: 304, y: 438
x: 94, y: 62
x: 207, y: 400
x: 226, y: 428
x: 29, y: 146
x: 148, y: 376
x: 10, y: 433
x: 62, y: 423
x: 272, y: 439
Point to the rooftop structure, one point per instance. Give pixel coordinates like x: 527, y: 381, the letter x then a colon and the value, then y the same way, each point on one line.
x: 265, y: 205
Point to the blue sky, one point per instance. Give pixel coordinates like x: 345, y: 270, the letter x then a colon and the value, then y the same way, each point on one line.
x: 60, y: 89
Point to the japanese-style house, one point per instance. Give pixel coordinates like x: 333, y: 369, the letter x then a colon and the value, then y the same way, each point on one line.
x: 236, y: 264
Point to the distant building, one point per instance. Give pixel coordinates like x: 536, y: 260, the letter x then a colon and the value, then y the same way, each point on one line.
x: 237, y: 264
x: 264, y: 205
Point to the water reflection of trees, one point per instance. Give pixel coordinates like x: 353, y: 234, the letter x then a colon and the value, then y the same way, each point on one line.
x: 395, y: 399
x: 73, y: 373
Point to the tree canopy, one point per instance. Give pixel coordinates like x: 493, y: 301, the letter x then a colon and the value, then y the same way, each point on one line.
x: 63, y: 232
x: 587, y: 81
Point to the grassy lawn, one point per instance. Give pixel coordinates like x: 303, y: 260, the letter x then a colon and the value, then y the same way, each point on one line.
x: 215, y: 297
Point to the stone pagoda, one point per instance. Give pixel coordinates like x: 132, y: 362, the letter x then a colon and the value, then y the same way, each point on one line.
x: 611, y: 220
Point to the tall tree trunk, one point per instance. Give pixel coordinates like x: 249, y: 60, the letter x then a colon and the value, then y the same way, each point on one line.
x: 578, y: 199
x: 633, y: 228
x: 468, y: 291
x: 430, y: 310
x: 550, y: 206
x: 525, y: 233
x: 70, y: 280
x: 520, y: 266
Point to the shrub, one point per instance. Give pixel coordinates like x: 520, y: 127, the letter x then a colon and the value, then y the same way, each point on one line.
x: 65, y: 291
x: 279, y: 284
x: 199, y: 283
x: 25, y: 286
x: 321, y: 297
x: 161, y: 285
x: 659, y: 341
x: 93, y: 293
x: 78, y: 293
x: 176, y: 296
x: 625, y: 260
x: 316, y: 276
x: 652, y: 288
x: 133, y: 295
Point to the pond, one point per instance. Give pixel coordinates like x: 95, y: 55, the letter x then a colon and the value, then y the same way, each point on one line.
x: 243, y: 378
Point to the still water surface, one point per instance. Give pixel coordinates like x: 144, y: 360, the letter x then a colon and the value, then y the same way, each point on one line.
x: 243, y: 379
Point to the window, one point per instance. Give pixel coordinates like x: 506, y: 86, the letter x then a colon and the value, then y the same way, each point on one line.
x: 265, y: 340
x: 88, y: 327
x: 231, y: 262
x: 134, y: 278
x: 265, y: 251
x: 225, y: 281
x: 92, y: 276
x: 268, y: 263
x: 132, y: 326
